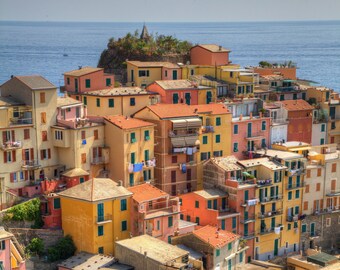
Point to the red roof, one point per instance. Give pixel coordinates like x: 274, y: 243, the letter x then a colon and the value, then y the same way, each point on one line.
x: 296, y: 105
x: 214, y: 237
x: 172, y: 110
x: 212, y: 108
x: 146, y: 192
x: 124, y: 122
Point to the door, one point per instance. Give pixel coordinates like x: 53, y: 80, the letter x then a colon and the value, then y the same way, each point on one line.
x: 76, y: 85
x: 312, y: 229
x: 276, y: 247
x: 188, y: 174
x: 246, y: 195
x: 187, y: 98
x: 249, y: 128
x: 174, y: 74
x: 224, y: 202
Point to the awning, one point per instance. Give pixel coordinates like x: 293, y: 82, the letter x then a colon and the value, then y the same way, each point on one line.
x: 186, y: 123
x: 179, y: 123
x: 178, y: 142
x: 194, y: 123
x: 191, y: 141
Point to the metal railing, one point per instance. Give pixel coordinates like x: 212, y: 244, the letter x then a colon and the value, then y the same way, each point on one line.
x: 277, y: 197
x: 270, y: 214
x: 295, y: 186
x: 11, y: 145
x: 250, y: 218
x: 30, y: 163
x: 21, y: 121
x: 104, y: 218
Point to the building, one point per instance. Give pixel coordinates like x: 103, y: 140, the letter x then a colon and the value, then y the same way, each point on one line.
x: 86, y: 79
x: 183, y: 91
x: 148, y: 253
x: 142, y: 74
x: 153, y: 212
x: 96, y: 213
x: 300, y: 115
x: 176, y: 146
x: 131, y: 148
x: 288, y: 72
x: 29, y: 110
x: 11, y: 254
x: 321, y: 199
x: 278, y: 122
x: 221, y: 249
x: 117, y: 101
x: 210, y: 55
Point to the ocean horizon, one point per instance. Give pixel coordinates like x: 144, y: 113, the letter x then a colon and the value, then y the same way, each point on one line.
x: 37, y: 47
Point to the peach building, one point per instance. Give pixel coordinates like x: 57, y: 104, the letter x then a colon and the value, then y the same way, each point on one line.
x: 153, y: 212
x: 286, y: 72
x: 209, y: 54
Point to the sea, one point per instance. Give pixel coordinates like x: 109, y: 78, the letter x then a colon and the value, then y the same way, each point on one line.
x: 52, y: 48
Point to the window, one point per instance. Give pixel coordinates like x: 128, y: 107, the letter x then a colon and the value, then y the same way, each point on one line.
x: 305, y: 205
x: 235, y: 148
x: 289, y: 227
x: 83, y: 158
x: 101, y: 250
x: 143, y: 73
x: 322, y: 141
x: 218, y: 138
x: 218, y: 153
x: 108, y: 81
x: 132, y: 157
x: 334, y: 167
x: 26, y: 134
x: 131, y: 179
x: 98, y: 102
x: 44, y: 136
x: 230, y: 245
x: 13, y: 177
x: 175, y: 98
x: 2, y: 245
x: 218, y: 121
x: 111, y: 102
x: 132, y: 101
x: 297, y: 194
x: 308, y: 173
x: 123, y: 205
x: 263, y: 125
x: 85, y: 100
x: 58, y: 135
x: 124, y: 225
x: 95, y: 134
x: 328, y: 222
x: 307, y: 189
x: 68, y: 81
x: 197, y: 220
x: 45, y: 154
x: 319, y: 172
x: 43, y: 117
x: 290, y: 195
x: 56, y: 203
x: 205, y: 139
x: 235, y: 129
x: 218, y: 252
x: 205, y: 155
x: 100, y: 230
x: 241, y: 257
x: 188, y: 218
x: 297, y: 210
x: 83, y: 134
x: 234, y: 223
x: 133, y: 137
x: 170, y: 221
x: 88, y: 83
x: 146, y: 155
x: 303, y: 228
x: 146, y: 135
x: 323, y: 128
x: 165, y: 73
x: 174, y: 159
x: 42, y: 97
x: 197, y: 204
x: 209, y: 205
x: 318, y: 185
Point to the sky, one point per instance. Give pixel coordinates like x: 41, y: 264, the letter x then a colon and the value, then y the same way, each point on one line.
x: 169, y: 11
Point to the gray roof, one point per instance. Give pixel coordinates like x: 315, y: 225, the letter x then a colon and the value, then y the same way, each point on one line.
x: 36, y: 82
x: 103, y: 189
x: 9, y: 101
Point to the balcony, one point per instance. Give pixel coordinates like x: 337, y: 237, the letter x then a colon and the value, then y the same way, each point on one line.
x: 328, y: 210
x: 270, y: 214
x: 99, y: 160
x: 298, y: 171
x: 275, y: 198
x: 264, y: 183
x: 279, y: 121
x: 250, y: 218
x: 295, y: 186
x: 248, y: 235
x: 250, y: 202
x: 333, y: 193
x: 103, y: 219
x: 160, y: 209
x: 8, y: 146
x: 294, y: 218
x: 276, y: 230
x: 255, y: 136
x: 176, y: 134
x: 30, y: 164
x: 207, y: 129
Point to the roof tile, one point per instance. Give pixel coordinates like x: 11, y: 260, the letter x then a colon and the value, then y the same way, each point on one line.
x: 146, y: 192
x: 124, y: 122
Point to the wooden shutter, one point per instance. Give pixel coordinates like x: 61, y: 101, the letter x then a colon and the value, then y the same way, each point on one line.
x: 5, y: 157
x: 314, y: 205
x: 13, y: 135
x: 99, y: 151
x: 31, y: 154
x: 321, y: 204
x: 23, y: 154
x: 49, y: 153
x: 333, y: 185
x: 335, y: 201
x: 3, y: 137
x: 14, y: 158
x: 41, y: 154
x: 12, y: 177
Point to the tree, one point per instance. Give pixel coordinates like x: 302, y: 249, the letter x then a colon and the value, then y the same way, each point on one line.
x: 35, y: 246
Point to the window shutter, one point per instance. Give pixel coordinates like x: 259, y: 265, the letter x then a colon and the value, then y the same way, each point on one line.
x: 3, y: 136
x: 12, y: 177
x: 99, y: 151
x: 49, y: 153
x: 41, y: 154
x: 321, y: 204
x: 14, y: 158
x: 31, y: 154
x: 13, y: 135
x: 5, y: 157
x: 23, y: 154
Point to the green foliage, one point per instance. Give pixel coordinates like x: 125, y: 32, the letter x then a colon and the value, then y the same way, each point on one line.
x: 27, y: 211
x: 36, y: 246
x: 64, y: 249
x: 312, y: 101
x: 265, y: 64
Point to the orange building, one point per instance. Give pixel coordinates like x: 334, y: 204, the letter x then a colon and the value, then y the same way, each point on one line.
x: 300, y: 115
x: 209, y: 54
x: 286, y: 72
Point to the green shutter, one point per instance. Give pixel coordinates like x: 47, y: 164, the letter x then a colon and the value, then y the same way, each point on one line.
x: 209, y: 205
x: 263, y: 125
x: 230, y: 245
x: 197, y: 204
x: 133, y: 158
x: 108, y: 81
x: 303, y: 228
x: 235, y: 147
x: 217, y: 252
x: 218, y: 138
x: 218, y: 121
x: 131, y: 179
x: 175, y: 98
x: 132, y: 101
x: 98, y: 102
x: 87, y: 83
x: 197, y: 220
x: 205, y: 139
x: 100, y: 230
x: 234, y: 223
x: 85, y: 100
x: 146, y: 135
x: 111, y: 103
x: 170, y: 221
x: 123, y: 205
x: 124, y: 225
x: 56, y: 203
x: 133, y: 137
x: 146, y: 155
x: 289, y: 195
x: 235, y: 129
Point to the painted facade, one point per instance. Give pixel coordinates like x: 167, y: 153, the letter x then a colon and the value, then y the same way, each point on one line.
x: 209, y: 54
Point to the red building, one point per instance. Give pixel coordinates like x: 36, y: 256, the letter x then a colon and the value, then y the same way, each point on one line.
x: 300, y: 115
x: 209, y: 54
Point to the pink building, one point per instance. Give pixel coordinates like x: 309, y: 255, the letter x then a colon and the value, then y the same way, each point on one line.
x: 87, y: 79
x: 179, y: 91
x: 11, y: 254
x: 209, y: 54
x: 70, y: 111
x: 153, y: 212
x: 248, y: 134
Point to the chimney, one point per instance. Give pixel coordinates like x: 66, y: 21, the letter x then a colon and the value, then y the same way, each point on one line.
x: 251, y: 115
x: 260, y: 114
x: 120, y: 183
x: 220, y: 48
x: 241, y: 116
x: 228, y: 177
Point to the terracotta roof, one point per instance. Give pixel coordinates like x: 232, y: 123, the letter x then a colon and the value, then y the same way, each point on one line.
x: 212, y: 108
x: 296, y: 105
x: 153, y: 64
x: 180, y: 84
x: 9, y: 101
x: 124, y: 122
x: 75, y: 172
x: 67, y: 101
x: 228, y: 163
x: 36, y: 82
x: 119, y: 91
x: 213, y: 48
x: 171, y: 110
x: 82, y: 71
x: 103, y: 189
x: 146, y: 192
x: 209, y: 235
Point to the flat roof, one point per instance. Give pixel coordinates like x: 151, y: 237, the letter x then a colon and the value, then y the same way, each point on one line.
x: 180, y: 84
x: 228, y: 163
x: 124, y: 122
x: 264, y: 162
x: 211, y: 193
x: 67, y: 102
x: 156, y: 249
x: 212, y: 48
x: 280, y: 154
x: 119, y: 91
x: 153, y: 64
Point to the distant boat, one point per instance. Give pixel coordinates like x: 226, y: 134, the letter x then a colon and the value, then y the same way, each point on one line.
x: 65, y: 54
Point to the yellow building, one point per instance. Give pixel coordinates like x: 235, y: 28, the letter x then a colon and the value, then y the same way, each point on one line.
x: 118, y: 101
x: 214, y: 136
x: 96, y: 213
x: 142, y: 74
x: 131, y: 144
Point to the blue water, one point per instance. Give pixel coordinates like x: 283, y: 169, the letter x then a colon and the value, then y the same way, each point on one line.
x: 38, y: 47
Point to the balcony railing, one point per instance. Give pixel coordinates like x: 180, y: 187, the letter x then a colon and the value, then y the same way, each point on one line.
x: 274, y: 198
x: 333, y: 193
x: 264, y: 183
x: 250, y: 218
x: 270, y: 214
x: 276, y: 229
x: 30, y: 164
x: 295, y: 186
x: 250, y: 202
x: 292, y: 218
x: 99, y: 160
x: 7, y: 146
x: 279, y: 121
x: 207, y: 129
x: 248, y: 235
x: 298, y: 171
x: 103, y: 219
x: 255, y: 135
x: 21, y: 121
x: 173, y: 134
x: 327, y: 210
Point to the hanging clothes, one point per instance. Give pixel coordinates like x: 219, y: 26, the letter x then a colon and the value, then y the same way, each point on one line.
x: 137, y: 167
x: 184, y: 168
x: 130, y: 168
x: 189, y: 151
x: 277, y: 230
